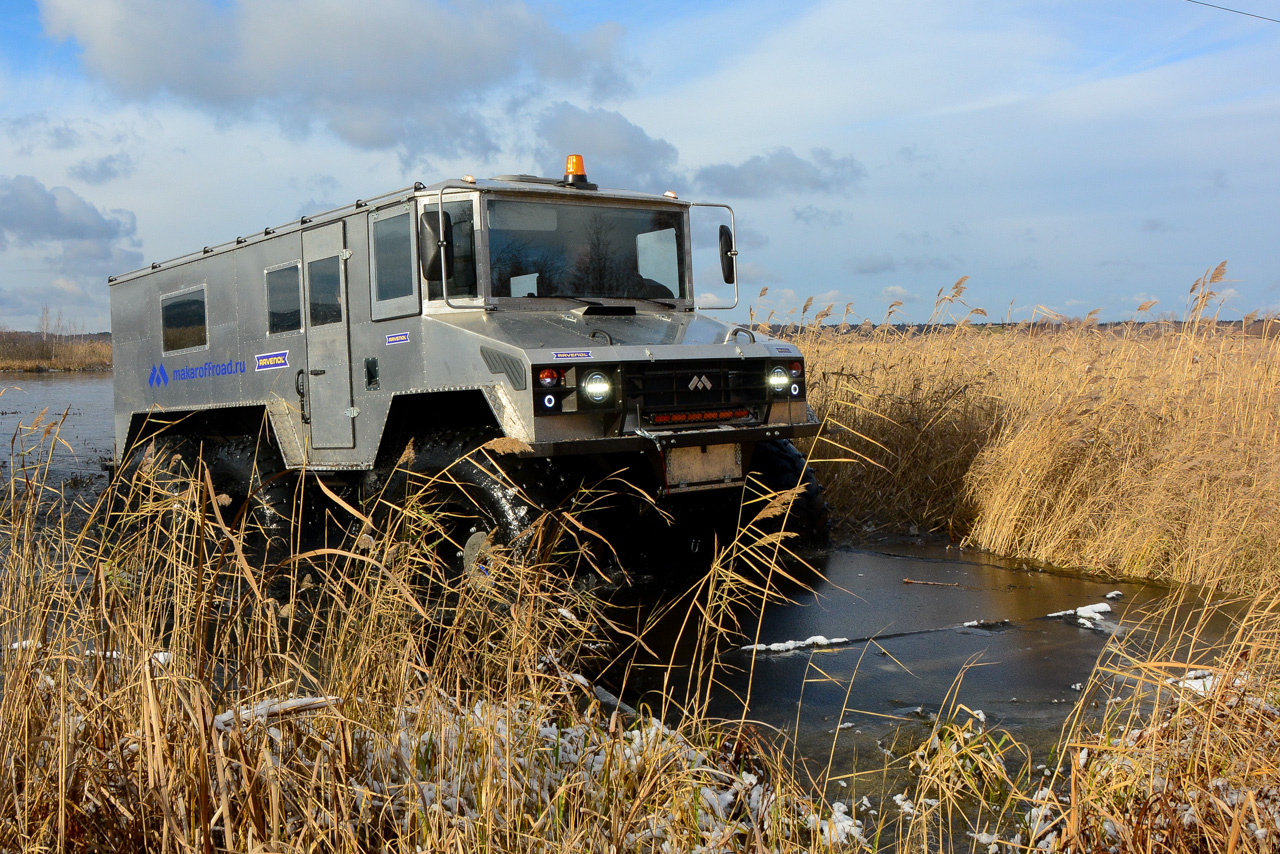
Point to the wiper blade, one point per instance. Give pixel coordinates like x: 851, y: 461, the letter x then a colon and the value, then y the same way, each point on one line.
x: 661, y: 302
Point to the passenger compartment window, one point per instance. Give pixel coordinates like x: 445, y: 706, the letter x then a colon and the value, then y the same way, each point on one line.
x: 324, y: 283
x: 392, y: 278
x: 184, y: 321
x: 284, y: 299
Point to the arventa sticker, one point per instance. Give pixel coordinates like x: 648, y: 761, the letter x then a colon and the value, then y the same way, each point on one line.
x: 572, y: 354
x: 271, y: 361
x: 397, y: 338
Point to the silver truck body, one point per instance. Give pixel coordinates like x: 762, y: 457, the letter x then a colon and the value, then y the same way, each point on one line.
x: 337, y: 369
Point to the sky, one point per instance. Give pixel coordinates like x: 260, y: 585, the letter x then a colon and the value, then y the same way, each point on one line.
x: 1069, y: 156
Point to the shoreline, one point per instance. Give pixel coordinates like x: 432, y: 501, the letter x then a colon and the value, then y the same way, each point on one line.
x: 46, y: 369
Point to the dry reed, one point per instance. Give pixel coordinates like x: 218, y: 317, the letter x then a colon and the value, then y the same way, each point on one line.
x: 1148, y: 450
x: 166, y: 689
x: 57, y: 350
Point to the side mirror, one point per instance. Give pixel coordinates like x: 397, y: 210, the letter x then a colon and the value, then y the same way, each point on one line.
x: 430, y: 237
x: 727, y: 254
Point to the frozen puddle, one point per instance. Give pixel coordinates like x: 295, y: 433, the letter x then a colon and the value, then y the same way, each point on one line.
x: 856, y: 657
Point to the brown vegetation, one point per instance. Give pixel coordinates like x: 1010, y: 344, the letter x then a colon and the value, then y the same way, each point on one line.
x: 166, y: 688
x: 56, y: 350
x: 1147, y: 450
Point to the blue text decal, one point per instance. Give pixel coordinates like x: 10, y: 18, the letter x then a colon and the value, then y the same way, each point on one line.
x: 209, y: 370
x: 575, y: 354
x: 398, y: 338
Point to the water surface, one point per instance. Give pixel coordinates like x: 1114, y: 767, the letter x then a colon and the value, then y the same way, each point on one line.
x: 87, y: 430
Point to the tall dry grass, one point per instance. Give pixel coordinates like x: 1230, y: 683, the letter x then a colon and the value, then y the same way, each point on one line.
x: 167, y: 688
x: 57, y: 350
x: 1148, y: 449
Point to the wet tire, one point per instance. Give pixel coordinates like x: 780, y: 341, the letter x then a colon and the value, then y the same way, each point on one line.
x: 254, y: 489
x: 252, y: 474
x: 778, y: 465
x: 142, y: 499
x: 473, y: 493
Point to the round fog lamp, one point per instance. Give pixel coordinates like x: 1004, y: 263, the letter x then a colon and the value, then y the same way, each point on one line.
x: 596, y: 386
x: 548, y: 377
x: 778, y: 379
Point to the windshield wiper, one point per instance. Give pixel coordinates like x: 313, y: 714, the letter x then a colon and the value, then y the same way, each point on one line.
x: 661, y: 302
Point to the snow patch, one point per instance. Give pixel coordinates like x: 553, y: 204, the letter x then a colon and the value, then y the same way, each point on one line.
x: 792, y: 645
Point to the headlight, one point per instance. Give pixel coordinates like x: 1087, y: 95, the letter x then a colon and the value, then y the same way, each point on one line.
x: 596, y: 386
x: 779, y: 378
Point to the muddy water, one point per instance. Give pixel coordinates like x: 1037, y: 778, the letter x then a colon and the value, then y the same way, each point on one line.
x: 906, y: 642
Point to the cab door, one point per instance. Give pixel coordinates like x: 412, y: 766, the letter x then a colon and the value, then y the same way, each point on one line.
x: 327, y: 374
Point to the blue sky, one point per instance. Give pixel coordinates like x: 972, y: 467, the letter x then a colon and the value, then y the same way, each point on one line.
x: 1073, y: 155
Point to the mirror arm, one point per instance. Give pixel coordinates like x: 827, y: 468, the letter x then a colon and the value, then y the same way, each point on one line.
x: 444, y: 279
x: 733, y: 253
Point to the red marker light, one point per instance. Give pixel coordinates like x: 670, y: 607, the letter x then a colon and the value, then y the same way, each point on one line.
x: 548, y: 377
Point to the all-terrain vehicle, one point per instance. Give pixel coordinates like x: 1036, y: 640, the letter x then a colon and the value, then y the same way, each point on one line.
x: 409, y: 328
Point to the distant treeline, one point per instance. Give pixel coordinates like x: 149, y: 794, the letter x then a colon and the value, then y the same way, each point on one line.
x: 1266, y: 327
x: 52, y: 351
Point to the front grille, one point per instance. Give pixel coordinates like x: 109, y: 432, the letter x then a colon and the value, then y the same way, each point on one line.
x: 668, y: 387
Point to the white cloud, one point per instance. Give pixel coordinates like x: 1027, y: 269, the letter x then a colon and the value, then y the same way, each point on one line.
x: 102, y: 169
x: 620, y: 153
x: 397, y: 74
x: 814, y: 215
x: 897, y: 292
x: 781, y: 170
x: 872, y: 265
x: 755, y: 274
x: 32, y: 214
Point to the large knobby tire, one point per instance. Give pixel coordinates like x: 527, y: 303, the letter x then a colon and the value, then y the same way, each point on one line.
x: 778, y: 465
x: 252, y: 491
x: 255, y: 492
x: 251, y: 473
x: 473, y: 493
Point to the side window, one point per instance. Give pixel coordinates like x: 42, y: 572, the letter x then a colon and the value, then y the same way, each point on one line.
x: 185, y: 326
x: 284, y: 299
x: 325, y: 277
x: 392, y: 276
x: 463, y: 281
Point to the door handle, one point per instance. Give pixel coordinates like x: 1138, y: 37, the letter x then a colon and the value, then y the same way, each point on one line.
x: 299, y: 381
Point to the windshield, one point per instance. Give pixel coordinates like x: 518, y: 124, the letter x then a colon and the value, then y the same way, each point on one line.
x: 545, y: 249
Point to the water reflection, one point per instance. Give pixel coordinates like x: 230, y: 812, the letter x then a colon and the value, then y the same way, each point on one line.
x: 907, y: 643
